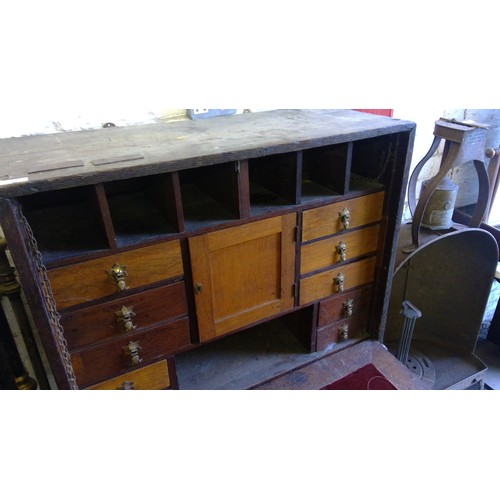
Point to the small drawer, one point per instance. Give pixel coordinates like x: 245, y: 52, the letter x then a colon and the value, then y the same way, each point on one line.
x: 338, y: 249
x: 152, y: 377
x: 323, y: 221
x: 344, y: 306
x: 347, y: 329
x: 321, y: 285
x: 108, y: 359
x: 93, y: 279
x: 145, y: 309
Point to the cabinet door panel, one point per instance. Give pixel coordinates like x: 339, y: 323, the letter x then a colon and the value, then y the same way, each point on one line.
x: 243, y: 274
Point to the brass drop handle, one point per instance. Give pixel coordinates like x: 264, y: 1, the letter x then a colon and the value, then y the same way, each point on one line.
x: 126, y: 386
x: 125, y: 315
x: 118, y: 273
x: 132, y: 350
x: 343, y: 332
x: 347, y: 307
x: 344, y: 218
x: 338, y: 281
x: 341, y: 249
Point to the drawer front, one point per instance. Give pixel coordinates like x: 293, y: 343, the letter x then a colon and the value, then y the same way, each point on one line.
x: 323, y: 285
x: 106, y: 360
x: 323, y: 221
x: 344, y: 306
x: 103, y: 321
x: 328, y: 252
x: 78, y: 283
x: 347, y: 329
x: 152, y: 377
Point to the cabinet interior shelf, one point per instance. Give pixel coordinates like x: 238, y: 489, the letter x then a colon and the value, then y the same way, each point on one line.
x: 76, y: 222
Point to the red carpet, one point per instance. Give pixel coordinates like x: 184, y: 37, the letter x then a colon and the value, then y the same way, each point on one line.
x: 366, y: 378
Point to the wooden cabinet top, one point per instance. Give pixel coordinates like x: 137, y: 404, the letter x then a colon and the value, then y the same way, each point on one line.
x: 36, y: 163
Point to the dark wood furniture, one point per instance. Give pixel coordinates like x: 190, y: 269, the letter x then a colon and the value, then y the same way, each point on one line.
x: 250, y: 244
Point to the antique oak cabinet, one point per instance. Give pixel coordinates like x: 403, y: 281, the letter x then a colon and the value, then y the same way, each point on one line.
x: 212, y: 253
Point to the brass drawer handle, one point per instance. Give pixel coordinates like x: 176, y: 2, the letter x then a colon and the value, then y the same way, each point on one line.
x: 125, y: 315
x: 341, y: 249
x: 344, y: 218
x: 118, y: 273
x: 338, y: 281
x: 126, y: 386
x: 347, y: 308
x: 344, y: 332
x: 132, y: 350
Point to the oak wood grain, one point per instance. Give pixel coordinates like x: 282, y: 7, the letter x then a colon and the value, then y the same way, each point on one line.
x: 152, y: 377
x: 108, y: 359
x: 99, y: 322
x: 246, y: 273
x: 330, y: 334
x: 323, y: 253
x: 323, y: 221
x: 85, y: 281
x: 319, y: 286
x: 331, y: 310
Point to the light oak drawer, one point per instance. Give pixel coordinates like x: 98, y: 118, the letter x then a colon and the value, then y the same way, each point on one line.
x: 78, y: 283
x: 347, y: 329
x: 323, y: 285
x: 337, y: 308
x: 92, y: 324
x: 323, y: 221
x: 326, y: 253
x: 152, y: 377
x: 108, y: 359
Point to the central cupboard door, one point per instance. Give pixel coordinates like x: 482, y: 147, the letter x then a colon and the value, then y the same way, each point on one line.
x: 243, y: 274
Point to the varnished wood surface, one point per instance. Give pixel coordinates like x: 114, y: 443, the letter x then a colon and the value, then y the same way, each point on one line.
x: 151, y: 377
x: 331, y: 310
x: 150, y: 149
x: 323, y: 221
x: 319, y: 286
x: 246, y: 273
x: 98, y: 363
x: 85, y: 281
x: 323, y: 253
x: 99, y: 322
x: 329, y: 335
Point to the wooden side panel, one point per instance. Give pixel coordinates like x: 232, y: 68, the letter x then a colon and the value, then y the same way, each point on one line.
x: 99, y: 322
x: 323, y: 221
x: 323, y: 253
x: 152, y: 377
x: 78, y: 283
x: 322, y: 285
x: 107, y: 359
x: 243, y: 274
